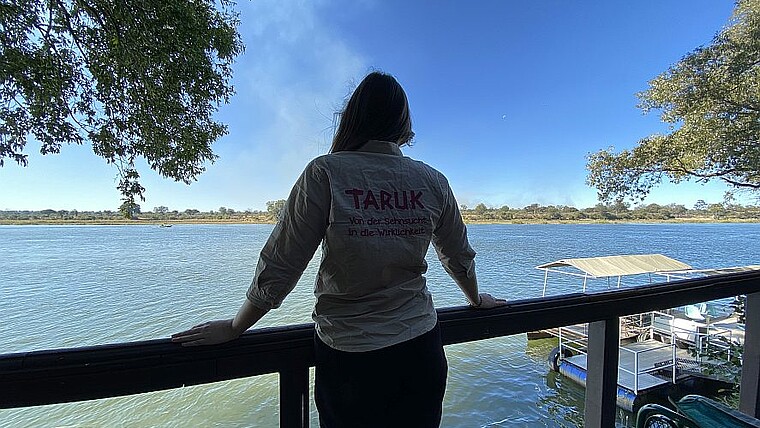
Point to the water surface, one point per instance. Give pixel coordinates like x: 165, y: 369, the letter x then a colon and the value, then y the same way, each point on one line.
x: 68, y: 286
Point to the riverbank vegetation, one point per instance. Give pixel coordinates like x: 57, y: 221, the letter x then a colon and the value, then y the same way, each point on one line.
x: 534, y: 213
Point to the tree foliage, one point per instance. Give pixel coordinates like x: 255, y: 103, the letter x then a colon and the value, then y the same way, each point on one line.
x: 135, y: 79
x: 129, y: 209
x: 274, y: 208
x: 711, y: 99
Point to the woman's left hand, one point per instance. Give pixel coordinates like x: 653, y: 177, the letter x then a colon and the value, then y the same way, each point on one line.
x: 487, y: 301
x: 208, y: 333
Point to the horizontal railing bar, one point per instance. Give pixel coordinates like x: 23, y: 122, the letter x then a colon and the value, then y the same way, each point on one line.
x: 555, y: 311
x: 65, y: 375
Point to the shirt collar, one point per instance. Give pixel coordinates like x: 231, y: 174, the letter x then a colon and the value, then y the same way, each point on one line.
x: 384, y: 147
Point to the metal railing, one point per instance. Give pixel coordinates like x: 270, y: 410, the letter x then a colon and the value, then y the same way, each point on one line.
x: 66, y: 375
x: 638, y: 369
x: 706, y: 340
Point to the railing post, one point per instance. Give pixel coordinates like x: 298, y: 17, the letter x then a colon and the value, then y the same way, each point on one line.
x: 294, y: 398
x: 602, y: 373
x: 674, y: 371
x: 749, y: 400
x: 635, y: 373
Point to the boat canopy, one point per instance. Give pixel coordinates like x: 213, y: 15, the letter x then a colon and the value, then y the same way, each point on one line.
x: 607, y: 266
x: 727, y: 270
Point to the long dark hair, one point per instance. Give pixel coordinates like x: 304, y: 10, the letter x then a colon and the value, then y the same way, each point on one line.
x: 377, y: 110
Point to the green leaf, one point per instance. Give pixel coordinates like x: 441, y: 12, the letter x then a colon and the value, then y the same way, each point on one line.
x: 134, y: 80
x: 711, y: 97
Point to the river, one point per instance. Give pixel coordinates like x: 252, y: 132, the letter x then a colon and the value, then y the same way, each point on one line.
x: 69, y: 286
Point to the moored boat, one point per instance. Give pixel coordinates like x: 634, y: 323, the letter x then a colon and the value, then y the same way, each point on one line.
x: 661, y: 352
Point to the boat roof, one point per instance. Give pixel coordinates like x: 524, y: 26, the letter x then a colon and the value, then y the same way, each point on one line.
x: 718, y: 271
x: 633, y: 264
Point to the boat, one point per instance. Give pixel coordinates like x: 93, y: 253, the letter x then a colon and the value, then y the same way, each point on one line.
x: 693, y: 411
x: 661, y: 352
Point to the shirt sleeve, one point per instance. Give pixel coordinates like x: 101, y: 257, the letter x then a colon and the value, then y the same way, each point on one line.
x: 294, y: 239
x: 450, y: 241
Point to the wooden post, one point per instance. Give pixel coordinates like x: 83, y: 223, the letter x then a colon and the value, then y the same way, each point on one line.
x: 602, y: 373
x: 749, y: 401
x: 294, y: 398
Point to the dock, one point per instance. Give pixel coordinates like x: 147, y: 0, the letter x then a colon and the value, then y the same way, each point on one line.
x: 652, y: 357
x: 644, y: 368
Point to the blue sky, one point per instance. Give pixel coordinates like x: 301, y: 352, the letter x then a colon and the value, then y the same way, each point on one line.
x: 507, y: 99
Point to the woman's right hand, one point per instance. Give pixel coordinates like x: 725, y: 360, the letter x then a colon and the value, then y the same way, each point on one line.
x: 208, y: 333
x: 487, y: 301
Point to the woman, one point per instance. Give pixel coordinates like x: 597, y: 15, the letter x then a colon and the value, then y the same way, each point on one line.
x: 379, y: 356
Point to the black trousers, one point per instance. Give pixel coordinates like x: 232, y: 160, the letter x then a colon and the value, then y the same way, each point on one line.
x: 398, y: 386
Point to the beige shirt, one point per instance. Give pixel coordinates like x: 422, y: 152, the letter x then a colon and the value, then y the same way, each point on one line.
x: 375, y: 212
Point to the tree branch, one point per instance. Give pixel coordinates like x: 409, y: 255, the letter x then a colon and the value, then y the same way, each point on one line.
x: 68, y: 20
x: 59, y: 58
x: 50, y: 21
x: 755, y: 186
x: 753, y: 109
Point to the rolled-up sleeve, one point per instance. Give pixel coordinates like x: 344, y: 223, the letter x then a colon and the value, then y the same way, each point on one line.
x: 450, y: 241
x: 294, y: 239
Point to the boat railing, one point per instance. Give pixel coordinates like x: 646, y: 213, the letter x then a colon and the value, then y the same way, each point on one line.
x: 78, y: 374
x: 716, y: 338
x: 705, y: 339
x: 573, y: 341
x: 639, y: 369
x: 662, y: 327
x: 575, y: 338
x: 639, y: 326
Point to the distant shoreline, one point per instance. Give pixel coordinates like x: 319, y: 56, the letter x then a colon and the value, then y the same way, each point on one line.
x: 480, y: 214
x: 125, y: 222
x: 169, y: 223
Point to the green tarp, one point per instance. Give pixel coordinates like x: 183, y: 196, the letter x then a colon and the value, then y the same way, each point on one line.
x: 708, y: 413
